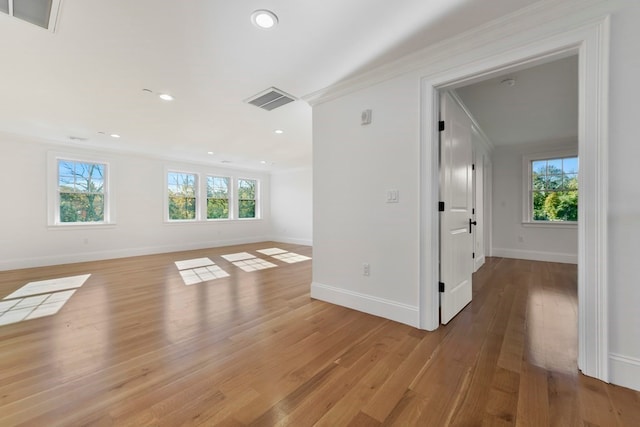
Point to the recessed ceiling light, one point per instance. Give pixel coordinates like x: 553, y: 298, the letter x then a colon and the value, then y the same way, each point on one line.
x: 210, y: 153
x: 166, y: 97
x: 264, y: 19
x: 114, y: 135
x: 279, y: 131
x: 264, y: 162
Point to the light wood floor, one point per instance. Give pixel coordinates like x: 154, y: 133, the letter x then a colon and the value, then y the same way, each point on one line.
x: 135, y: 346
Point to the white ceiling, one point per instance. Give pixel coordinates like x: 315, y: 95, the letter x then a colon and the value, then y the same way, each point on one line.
x: 541, y: 106
x: 88, y: 76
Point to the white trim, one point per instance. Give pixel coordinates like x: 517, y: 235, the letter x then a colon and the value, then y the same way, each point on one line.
x: 565, y: 258
x: 291, y: 240
x: 388, y: 309
x: 478, y: 262
x: 428, y: 300
x: 528, y: 48
x: 625, y: 371
x: 84, y: 256
x: 529, y: 24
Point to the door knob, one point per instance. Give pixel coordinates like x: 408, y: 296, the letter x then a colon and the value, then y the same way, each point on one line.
x: 472, y: 223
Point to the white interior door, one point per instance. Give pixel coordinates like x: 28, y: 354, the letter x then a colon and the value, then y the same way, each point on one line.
x: 456, y: 191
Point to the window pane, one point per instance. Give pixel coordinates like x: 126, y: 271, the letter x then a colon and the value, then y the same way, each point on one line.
x: 554, y: 166
x: 182, y: 207
x: 247, y: 209
x: 182, y: 195
x: 553, y: 182
x: 539, y: 167
x: 217, y: 187
x: 217, y: 208
x: 570, y: 165
x: 246, y: 189
x: 570, y: 182
x: 81, y: 191
x: 78, y: 207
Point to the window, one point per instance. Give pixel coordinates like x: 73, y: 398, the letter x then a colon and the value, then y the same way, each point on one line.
x: 81, y: 192
x: 553, y: 189
x: 247, y: 200
x: 217, y: 197
x: 182, y: 192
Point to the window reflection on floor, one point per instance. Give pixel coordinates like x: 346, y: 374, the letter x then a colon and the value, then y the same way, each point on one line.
x: 39, y: 299
x: 198, y: 270
x: 552, y: 330
x: 283, y: 255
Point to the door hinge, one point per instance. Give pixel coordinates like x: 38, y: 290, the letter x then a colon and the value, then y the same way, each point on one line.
x: 441, y: 125
x: 473, y: 211
x: 441, y: 286
x: 440, y: 206
x: 473, y: 166
x: 473, y: 255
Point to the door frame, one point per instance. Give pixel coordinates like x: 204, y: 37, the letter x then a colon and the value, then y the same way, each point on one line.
x: 591, y: 43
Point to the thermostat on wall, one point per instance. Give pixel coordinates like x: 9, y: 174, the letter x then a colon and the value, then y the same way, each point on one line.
x: 365, y: 118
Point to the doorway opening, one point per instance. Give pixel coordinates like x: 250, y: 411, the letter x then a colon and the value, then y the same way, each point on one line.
x: 590, y: 47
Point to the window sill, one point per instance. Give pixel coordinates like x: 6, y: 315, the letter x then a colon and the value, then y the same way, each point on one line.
x: 79, y: 225
x: 550, y: 224
x: 209, y: 221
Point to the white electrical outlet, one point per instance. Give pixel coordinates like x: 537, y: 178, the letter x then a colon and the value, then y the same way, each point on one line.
x: 366, y: 269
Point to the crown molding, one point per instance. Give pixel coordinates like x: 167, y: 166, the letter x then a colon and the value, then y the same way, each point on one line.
x: 546, y: 17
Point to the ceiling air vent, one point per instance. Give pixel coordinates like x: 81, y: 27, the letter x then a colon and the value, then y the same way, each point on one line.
x: 270, y: 99
x: 43, y: 13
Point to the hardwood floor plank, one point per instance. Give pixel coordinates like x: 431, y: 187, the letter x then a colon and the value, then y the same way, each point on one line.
x: 136, y: 346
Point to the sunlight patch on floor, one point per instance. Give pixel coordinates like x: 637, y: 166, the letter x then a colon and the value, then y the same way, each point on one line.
x: 272, y: 251
x: 240, y: 256
x: 254, y: 264
x: 282, y: 255
x: 291, y: 257
x: 39, y: 299
x: 198, y: 270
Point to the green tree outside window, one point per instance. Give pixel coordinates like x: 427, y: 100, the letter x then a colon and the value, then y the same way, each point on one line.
x: 555, y: 189
x: 247, y: 198
x: 81, y: 191
x: 182, y: 196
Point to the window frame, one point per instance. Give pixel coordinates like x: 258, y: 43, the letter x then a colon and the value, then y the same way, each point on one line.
x: 202, y: 174
x: 230, y: 197
x: 53, y: 190
x: 197, y: 195
x: 527, y: 193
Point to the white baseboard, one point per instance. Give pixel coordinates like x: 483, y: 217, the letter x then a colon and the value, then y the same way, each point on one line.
x: 387, y: 309
x: 624, y: 371
x: 292, y: 240
x: 535, y: 255
x: 14, y: 264
x: 479, y: 262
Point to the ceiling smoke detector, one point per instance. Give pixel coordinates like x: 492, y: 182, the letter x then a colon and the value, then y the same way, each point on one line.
x: 270, y: 99
x: 508, y: 82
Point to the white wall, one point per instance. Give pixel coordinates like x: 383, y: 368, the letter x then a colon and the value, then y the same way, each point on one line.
x: 512, y: 239
x: 354, y: 165
x: 291, y: 206
x: 137, y: 187
x: 624, y: 197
